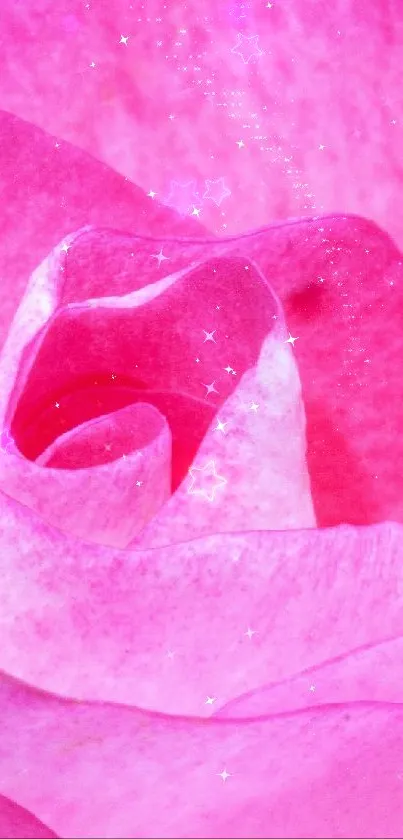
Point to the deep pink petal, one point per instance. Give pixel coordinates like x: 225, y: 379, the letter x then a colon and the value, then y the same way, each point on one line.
x: 49, y: 189
x: 18, y: 823
x: 340, y: 280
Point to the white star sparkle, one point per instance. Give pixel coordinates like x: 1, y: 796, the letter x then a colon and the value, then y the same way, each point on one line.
x: 210, y: 388
x: 160, y: 257
x: 203, y: 474
x: 247, y: 47
x: 291, y: 340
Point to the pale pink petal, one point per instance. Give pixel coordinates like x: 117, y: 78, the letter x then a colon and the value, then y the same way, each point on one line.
x: 113, y: 771
x: 373, y: 671
x: 107, y: 505
x: 215, y: 617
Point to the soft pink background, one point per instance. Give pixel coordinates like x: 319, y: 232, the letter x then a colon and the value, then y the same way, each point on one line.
x: 170, y: 104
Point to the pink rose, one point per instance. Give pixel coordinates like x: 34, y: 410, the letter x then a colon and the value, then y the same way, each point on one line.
x: 184, y: 652
x: 200, y: 438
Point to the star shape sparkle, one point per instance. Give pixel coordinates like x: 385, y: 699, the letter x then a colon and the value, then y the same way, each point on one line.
x: 216, y: 190
x: 159, y: 257
x: 210, y: 388
x: 291, y: 340
x: 201, y: 481
x: 247, y: 47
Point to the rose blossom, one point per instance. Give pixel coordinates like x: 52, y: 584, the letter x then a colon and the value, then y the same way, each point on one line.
x: 179, y: 664
x: 200, y: 511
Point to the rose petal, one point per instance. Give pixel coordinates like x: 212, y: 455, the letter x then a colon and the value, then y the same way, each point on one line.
x: 166, y: 629
x: 50, y: 189
x: 17, y: 823
x: 113, y: 771
x: 139, y: 441
x: 372, y: 671
x: 340, y: 280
